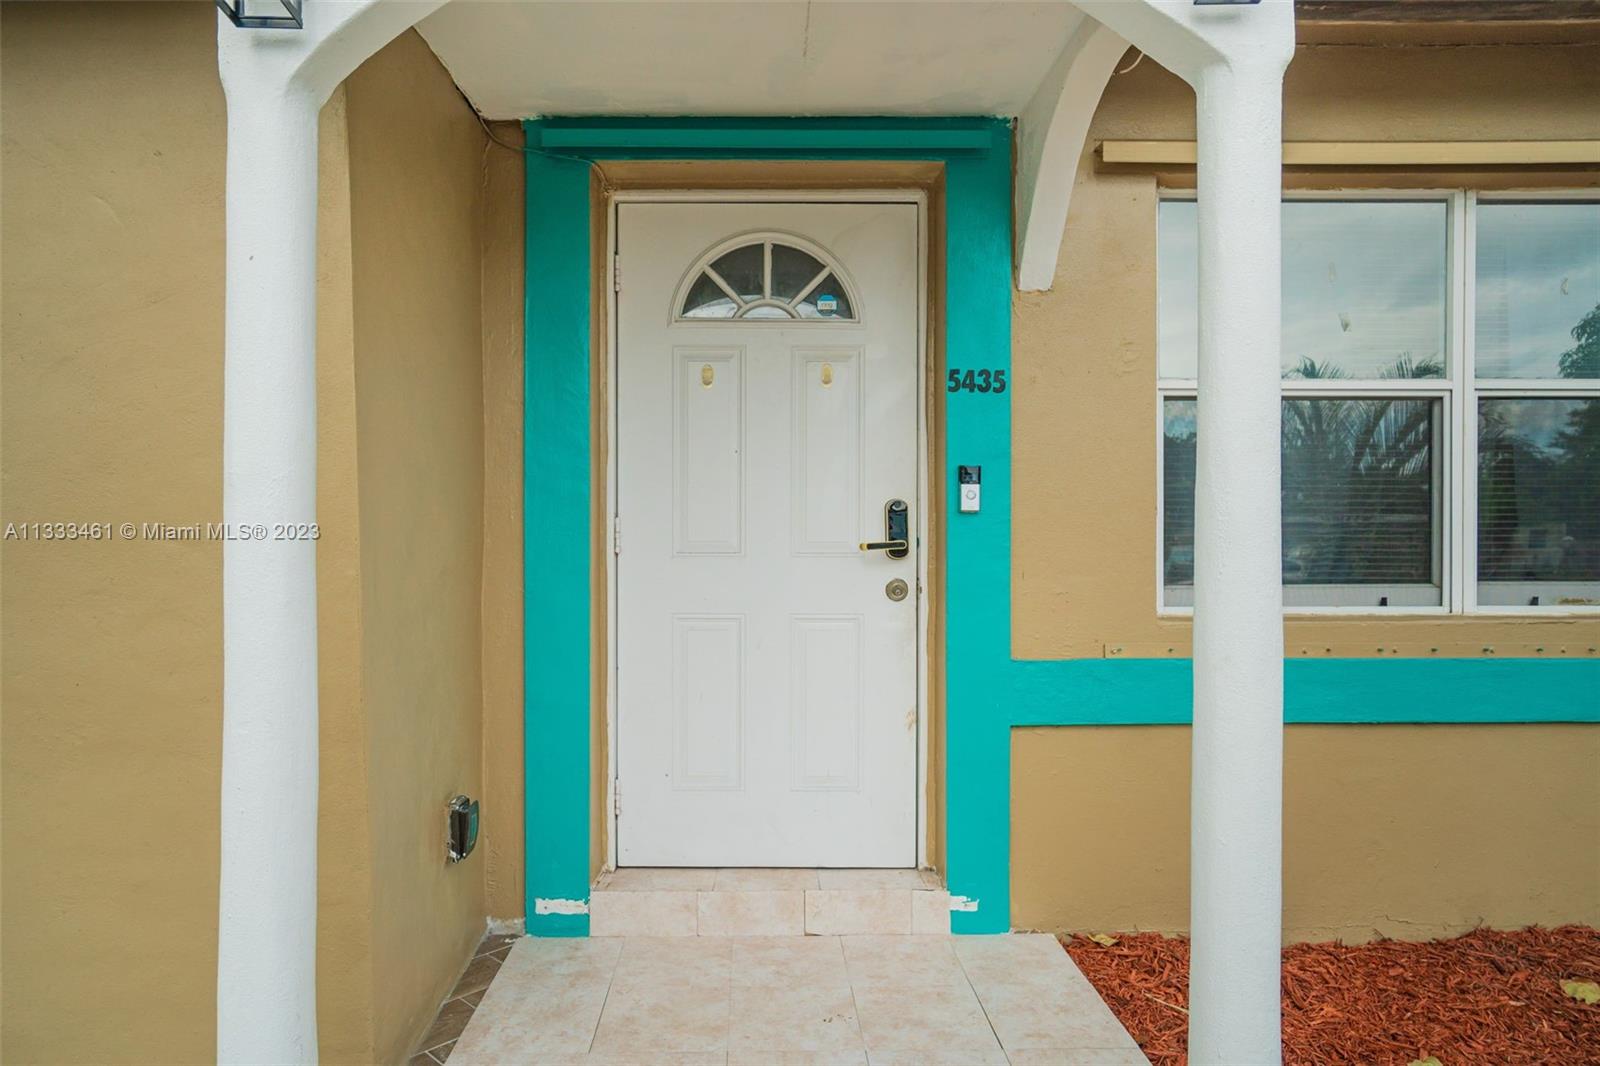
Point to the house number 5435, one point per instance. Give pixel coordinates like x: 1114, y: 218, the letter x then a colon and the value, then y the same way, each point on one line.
x: 984, y: 380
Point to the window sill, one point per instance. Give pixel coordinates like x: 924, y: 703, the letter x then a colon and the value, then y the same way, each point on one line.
x: 1395, y: 614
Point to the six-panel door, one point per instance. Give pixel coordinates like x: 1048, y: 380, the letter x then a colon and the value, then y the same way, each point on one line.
x: 767, y: 411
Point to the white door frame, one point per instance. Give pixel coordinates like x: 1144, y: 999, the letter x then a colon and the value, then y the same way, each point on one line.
x: 920, y: 505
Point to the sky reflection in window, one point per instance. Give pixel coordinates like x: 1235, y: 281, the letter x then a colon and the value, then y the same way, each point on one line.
x: 1364, y: 289
x: 1538, y: 291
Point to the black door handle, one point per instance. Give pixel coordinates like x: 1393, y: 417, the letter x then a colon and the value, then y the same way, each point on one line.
x: 896, y: 530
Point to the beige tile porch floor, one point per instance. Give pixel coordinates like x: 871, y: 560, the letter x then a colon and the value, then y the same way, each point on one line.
x: 793, y: 1001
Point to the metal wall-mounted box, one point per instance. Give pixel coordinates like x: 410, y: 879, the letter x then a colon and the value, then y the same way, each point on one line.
x: 462, y: 828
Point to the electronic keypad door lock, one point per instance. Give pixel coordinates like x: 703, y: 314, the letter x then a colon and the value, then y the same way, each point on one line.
x: 896, y: 531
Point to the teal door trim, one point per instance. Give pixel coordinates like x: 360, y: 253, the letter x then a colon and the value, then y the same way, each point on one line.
x: 697, y: 140
x: 556, y: 546
x: 987, y: 692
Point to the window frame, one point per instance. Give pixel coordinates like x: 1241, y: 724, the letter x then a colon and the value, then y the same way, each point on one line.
x: 1505, y: 388
x: 1455, y: 468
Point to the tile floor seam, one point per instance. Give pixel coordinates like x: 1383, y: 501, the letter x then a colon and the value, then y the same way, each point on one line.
x: 1027, y: 1051
x: 429, y: 1051
x: 727, y: 1023
x: 616, y: 964
x: 866, y: 1052
x: 435, y: 1047
x: 1001, y: 1044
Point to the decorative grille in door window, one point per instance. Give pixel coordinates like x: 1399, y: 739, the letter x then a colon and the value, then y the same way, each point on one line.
x: 779, y: 277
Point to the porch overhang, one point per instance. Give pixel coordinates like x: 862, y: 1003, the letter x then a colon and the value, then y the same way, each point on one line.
x: 1043, y: 63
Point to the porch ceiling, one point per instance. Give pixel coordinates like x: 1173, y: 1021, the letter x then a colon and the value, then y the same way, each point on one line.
x: 772, y: 58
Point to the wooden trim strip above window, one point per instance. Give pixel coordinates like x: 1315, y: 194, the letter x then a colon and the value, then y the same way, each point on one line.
x: 1373, y: 153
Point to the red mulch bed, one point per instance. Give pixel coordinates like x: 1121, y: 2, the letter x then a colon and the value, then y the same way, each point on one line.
x: 1485, y: 997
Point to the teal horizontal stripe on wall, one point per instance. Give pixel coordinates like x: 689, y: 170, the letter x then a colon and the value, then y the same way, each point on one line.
x: 1334, y: 691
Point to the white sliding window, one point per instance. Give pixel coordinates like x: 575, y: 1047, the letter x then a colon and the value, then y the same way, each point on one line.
x: 1412, y: 482
x: 1536, y: 378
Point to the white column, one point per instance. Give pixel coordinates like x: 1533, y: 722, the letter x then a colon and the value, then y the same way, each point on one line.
x: 266, y: 950
x: 1237, y: 791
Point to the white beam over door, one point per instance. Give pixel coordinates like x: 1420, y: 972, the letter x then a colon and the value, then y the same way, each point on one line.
x: 1234, y: 56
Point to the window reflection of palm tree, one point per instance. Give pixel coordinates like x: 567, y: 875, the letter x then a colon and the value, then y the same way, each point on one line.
x: 1364, y: 468
x: 1530, y: 488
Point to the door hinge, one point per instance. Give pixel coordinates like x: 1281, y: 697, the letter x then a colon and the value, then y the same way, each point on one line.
x: 616, y: 273
x: 616, y: 534
x: 616, y: 797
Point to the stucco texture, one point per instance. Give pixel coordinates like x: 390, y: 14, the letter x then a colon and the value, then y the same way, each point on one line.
x: 111, y: 311
x: 1403, y: 831
x: 414, y: 185
x: 1084, y: 353
x: 503, y: 237
x: 1411, y: 831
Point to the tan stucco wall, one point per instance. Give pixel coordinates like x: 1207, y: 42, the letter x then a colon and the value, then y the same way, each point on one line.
x: 111, y: 312
x: 344, y: 843
x: 1084, y: 415
x: 1405, y: 831
x: 503, y: 232
x: 416, y: 169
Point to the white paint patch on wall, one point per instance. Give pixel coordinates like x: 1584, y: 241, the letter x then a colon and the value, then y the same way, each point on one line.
x: 561, y: 906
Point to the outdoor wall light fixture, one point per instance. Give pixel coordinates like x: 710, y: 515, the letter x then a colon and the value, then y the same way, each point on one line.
x: 246, y: 14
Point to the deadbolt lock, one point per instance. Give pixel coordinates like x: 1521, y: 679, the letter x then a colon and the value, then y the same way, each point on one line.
x: 897, y: 589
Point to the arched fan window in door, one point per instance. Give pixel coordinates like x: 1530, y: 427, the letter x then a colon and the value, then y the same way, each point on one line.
x: 765, y: 277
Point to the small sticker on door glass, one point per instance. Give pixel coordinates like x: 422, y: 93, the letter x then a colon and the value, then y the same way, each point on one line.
x: 827, y: 305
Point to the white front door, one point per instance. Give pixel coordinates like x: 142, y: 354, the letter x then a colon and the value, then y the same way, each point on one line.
x: 767, y: 394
